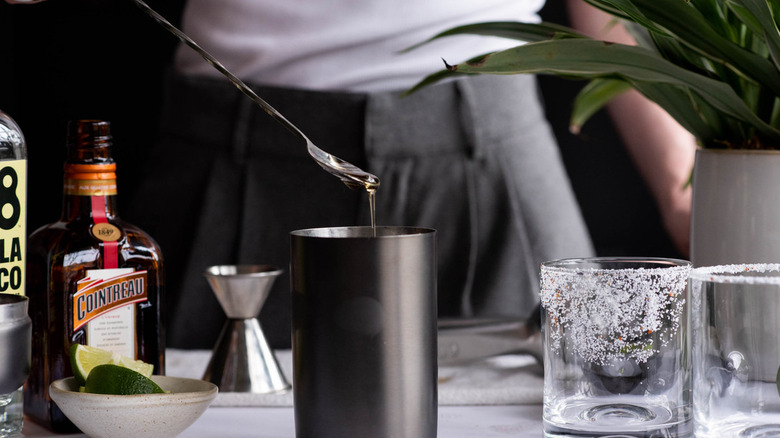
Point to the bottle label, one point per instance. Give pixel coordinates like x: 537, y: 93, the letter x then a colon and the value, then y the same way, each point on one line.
x: 90, y: 187
x: 106, y: 232
x: 13, y: 224
x: 105, y: 301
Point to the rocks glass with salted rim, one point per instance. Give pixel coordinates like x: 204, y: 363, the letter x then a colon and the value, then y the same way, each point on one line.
x: 616, y: 359
x: 735, y: 316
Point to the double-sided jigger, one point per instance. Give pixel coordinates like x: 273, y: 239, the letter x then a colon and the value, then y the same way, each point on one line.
x: 242, y: 360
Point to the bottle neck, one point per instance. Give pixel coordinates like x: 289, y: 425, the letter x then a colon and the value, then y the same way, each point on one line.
x: 90, y: 191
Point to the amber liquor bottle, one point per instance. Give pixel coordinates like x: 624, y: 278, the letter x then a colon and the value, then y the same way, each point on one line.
x: 91, y: 278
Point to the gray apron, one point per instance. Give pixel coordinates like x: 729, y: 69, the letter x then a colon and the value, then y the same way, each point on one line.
x: 474, y: 159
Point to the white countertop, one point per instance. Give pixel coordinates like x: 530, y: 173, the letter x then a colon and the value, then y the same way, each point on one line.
x: 516, y: 421
x: 498, y: 397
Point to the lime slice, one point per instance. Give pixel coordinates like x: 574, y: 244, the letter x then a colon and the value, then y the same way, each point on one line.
x: 118, y: 380
x: 84, y: 358
x: 139, y: 366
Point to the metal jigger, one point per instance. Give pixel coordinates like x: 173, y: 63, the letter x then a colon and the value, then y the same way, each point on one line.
x: 242, y: 361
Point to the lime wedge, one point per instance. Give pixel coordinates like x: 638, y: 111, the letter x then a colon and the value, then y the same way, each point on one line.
x: 118, y: 380
x: 83, y: 359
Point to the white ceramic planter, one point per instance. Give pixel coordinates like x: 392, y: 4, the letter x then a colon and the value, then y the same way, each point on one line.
x: 735, y: 220
x: 736, y: 207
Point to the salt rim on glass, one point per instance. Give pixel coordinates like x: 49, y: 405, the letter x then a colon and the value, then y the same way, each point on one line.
x: 614, y: 313
x: 738, y: 273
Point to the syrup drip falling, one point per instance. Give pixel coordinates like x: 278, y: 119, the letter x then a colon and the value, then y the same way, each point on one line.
x: 367, y: 181
x: 372, y: 207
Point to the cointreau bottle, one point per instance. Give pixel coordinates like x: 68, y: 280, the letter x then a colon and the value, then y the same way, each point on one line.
x: 92, y: 278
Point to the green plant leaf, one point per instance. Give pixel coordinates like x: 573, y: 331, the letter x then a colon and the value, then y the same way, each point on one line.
x: 696, y: 116
x: 745, y: 16
x: 686, y: 23
x: 714, y: 65
x: 681, y: 55
x: 592, y: 59
x: 762, y: 15
x: 432, y: 79
x: 717, y: 16
x: 608, y: 8
x: 508, y: 29
x: 592, y: 98
x: 629, y: 11
x: 691, y: 112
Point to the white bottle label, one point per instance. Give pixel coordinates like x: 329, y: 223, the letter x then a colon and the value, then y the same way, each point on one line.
x: 105, y: 301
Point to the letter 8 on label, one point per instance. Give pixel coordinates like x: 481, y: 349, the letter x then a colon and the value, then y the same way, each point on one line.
x: 9, y: 201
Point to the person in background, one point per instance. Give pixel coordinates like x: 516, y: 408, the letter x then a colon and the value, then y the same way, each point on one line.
x: 661, y: 149
x: 473, y: 158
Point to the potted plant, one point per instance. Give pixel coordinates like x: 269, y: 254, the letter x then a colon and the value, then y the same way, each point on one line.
x: 713, y: 65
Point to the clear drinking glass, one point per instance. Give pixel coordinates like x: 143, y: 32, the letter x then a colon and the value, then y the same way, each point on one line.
x: 616, y: 359
x: 15, y: 332
x: 735, y: 314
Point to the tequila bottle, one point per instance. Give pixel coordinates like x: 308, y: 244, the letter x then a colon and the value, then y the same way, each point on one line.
x: 13, y: 200
x: 13, y: 224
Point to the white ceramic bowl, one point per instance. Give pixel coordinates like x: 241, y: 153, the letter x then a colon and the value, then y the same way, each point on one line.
x: 135, y: 416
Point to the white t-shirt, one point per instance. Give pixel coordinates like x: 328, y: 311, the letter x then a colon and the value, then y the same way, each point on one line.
x: 350, y: 45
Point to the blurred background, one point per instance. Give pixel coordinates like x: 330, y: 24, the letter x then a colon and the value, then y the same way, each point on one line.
x: 68, y: 59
